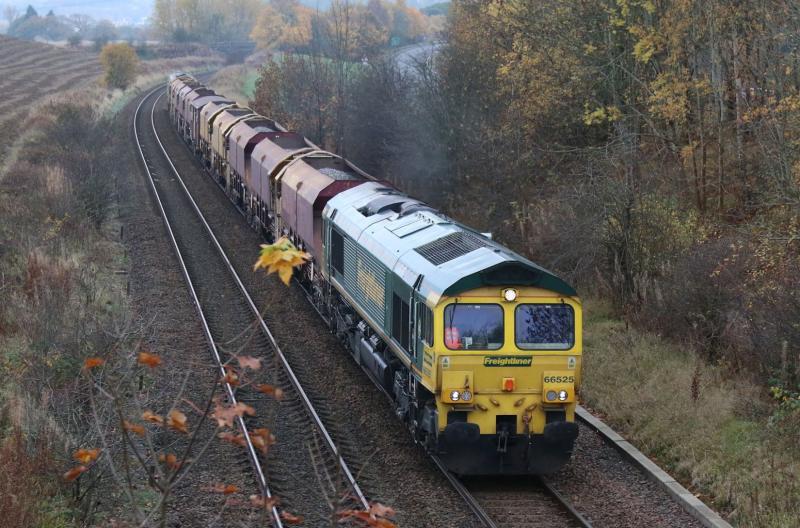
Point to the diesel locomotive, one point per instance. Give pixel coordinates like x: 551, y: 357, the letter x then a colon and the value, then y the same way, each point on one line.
x: 478, y: 348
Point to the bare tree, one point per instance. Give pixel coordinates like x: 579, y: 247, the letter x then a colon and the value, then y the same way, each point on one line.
x: 10, y: 13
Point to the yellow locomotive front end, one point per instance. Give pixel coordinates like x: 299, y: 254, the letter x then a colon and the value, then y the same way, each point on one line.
x: 507, y: 371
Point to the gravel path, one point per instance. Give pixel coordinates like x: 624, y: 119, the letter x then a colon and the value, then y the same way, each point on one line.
x: 612, y: 493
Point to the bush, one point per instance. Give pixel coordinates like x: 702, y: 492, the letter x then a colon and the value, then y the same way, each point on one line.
x: 81, y: 145
x: 120, y: 63
x: 75, y: 40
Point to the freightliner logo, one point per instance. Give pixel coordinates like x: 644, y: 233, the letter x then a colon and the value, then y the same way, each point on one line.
x: 507, y: 361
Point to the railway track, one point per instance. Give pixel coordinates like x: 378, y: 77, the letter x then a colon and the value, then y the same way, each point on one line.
x: 307, y: 470
x: 520, y: 503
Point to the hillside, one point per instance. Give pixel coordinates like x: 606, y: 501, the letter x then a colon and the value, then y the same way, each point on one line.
x: 29, y: 73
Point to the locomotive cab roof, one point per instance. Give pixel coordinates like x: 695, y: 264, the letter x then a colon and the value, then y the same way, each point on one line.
x: 412, y: 239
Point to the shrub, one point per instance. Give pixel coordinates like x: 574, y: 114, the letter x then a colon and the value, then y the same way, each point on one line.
x: 75, y: 40
x: 19, y: 500
x: 120, y: 63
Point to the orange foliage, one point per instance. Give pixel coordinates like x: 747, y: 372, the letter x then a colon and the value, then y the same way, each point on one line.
x: 75, y: 472
x: 170, y: 460
x: 177, y: 421
x: 270, y: 390
x: 226, y: 415
x: 92, y: 362
x: 150, y: 416
x: 149, y: 360
x: 133, y: 428
x: 225, y: 489
x: 249, y: 362
x: 85, y: 456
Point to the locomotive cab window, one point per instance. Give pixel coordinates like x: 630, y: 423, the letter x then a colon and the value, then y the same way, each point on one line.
x: 473, y: 326
x: 544, y: 326
x: 337, y: 251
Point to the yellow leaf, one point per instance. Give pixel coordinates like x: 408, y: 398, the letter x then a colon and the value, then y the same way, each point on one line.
x: 281, y: 257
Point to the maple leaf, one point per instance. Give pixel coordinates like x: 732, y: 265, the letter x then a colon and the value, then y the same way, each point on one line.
x: 283, y: 257
x: 259, y: 501
x: 233, y: 438
x: 133, y: 428
x: 289, y: 518
x: 271, y: 390
x: 225, y: 415
x: 366, y: 517
x: 150, y: 416
x: 149, y: 360
x: 75, y: 472
x: 177, y: 420
x: 170, y: 460
x: 249, y: 362
x: 92, y: 362
x: 231, y: 378
x: 84, y: 456
x: 376, y: 509
x: 262, y: 439
x: 225, y: 489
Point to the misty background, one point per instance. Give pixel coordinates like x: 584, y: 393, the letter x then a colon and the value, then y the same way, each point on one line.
x: 131, y: 12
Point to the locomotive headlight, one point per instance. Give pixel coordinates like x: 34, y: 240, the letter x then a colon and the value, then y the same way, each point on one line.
x: 551, y: 395
x: 510, y: 294
x: 466, y: 395
x: 454, y: 395
x: 562, y: 395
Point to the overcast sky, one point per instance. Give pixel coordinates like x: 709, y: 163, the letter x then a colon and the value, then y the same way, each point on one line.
x: 128, y: 12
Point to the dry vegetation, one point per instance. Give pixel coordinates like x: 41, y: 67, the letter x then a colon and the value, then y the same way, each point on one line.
x: 236, y: 81
x: 63, y: 298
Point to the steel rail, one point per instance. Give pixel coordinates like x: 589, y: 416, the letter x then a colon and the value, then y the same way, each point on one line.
x: 578, y: 516
x: 264, y: 328
x: 259, y: 471
x: 462, y: 490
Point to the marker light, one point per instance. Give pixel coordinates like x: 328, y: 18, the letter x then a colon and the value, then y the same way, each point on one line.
x: 551, y: 396
x: 454, y: 395
x: 466, y: 395
x: 562, y: 395
x: 510, y: 294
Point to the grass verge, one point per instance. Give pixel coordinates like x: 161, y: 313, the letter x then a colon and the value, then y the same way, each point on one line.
x: 723, y: 437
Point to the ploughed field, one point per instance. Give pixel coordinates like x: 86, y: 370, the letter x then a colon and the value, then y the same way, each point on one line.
x: 29, y: 73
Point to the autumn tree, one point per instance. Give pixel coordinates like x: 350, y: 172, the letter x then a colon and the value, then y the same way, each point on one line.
x: 120, y: 64
x: 205, y: 20
x: 283, y: 24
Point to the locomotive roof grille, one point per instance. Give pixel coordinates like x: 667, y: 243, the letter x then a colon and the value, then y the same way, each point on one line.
x: 450, y: 247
